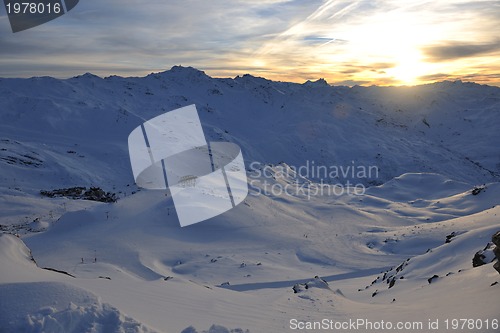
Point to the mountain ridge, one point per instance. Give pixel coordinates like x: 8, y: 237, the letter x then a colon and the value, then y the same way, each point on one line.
x: 326, y: 124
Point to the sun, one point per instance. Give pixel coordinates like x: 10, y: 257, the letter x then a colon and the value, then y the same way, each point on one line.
x: 409, y: 67
x: 396, y: 39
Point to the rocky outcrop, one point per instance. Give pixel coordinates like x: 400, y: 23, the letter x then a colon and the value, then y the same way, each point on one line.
x: 484, y: 256
x: 496, y: 240
x: 317, y: 282
x: 82, y: 193
x: 433, y: 278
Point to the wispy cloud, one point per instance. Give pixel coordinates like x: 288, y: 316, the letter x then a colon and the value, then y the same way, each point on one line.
x: 369, y: 42
x: 155, y: 34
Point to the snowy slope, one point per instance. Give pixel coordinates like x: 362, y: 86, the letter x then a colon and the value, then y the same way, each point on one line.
x: 132, y: 267
x: 446, y: 128
x: 35, y: 300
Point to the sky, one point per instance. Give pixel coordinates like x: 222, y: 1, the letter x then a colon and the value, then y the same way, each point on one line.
x: 378, y: 42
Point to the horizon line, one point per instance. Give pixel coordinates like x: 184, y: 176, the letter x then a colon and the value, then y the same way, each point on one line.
x: 256, y: 75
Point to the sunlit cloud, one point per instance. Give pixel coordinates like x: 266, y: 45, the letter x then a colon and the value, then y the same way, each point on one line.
x: 405, y: 35
x: 346, y: 42
x: 452, y: 50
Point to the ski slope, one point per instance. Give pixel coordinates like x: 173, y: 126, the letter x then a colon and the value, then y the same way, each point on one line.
x: 128, y: 266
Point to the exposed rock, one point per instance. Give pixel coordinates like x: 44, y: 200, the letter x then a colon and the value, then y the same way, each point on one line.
x: 484, y: 256
x: 496, y: 251
x: 317, y: 282
x: 430, y: 280
x: 215, y: 329
x: 93, y: 193
x: 478, y: 189
x: 189, y: 329
x: 58, y: 271
x: 450, y: 236
x: 496, y: 238
x: 298, y: 287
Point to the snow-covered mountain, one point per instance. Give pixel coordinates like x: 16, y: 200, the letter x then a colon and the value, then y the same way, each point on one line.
x: 428, y: 208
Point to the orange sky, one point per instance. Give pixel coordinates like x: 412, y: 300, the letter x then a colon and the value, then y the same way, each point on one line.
x: 399, y: 42
x: 384, y: 42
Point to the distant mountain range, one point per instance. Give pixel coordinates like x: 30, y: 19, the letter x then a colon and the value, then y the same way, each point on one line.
x: 450, y: 128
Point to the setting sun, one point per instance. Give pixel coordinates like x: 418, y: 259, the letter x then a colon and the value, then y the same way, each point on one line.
x: 410, y: 44
x: 347, y: 43
x: 408, y: 68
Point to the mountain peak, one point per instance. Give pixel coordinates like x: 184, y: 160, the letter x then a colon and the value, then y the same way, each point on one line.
x: 179, y: 72
x: 318, y: 83
x: 87, y: 76
x: 252, y: 78
x: 186, y: 70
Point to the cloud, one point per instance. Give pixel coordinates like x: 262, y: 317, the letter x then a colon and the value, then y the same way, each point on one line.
x: 153, y: 35
x: 449, y: 50
x: 436, y: 77
x: 485, y: 78
x: 379, y: 41
x: 322, y: 41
